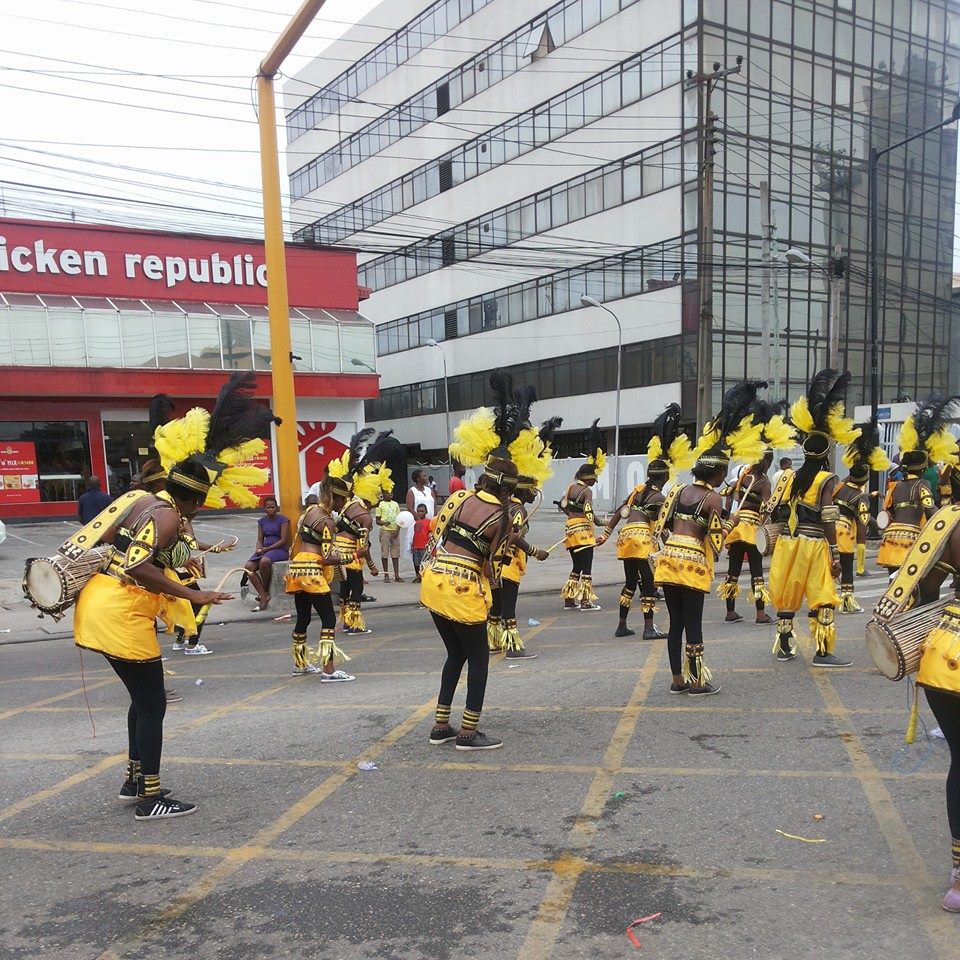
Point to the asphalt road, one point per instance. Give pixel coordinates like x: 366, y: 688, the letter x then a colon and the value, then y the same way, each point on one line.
x: 610, y: 801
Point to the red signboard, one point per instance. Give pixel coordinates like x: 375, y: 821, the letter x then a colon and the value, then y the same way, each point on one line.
x: 19, y: 477
x: 92, y: 261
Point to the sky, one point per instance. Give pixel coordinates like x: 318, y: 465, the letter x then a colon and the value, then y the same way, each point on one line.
x: 146, y: 101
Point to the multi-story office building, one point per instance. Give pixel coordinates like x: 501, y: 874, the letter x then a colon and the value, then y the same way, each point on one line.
x: 496, y: 160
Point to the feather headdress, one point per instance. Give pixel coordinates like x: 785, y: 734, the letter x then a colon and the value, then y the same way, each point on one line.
x: 373, y: 477
x: 224, y: 441
x: 532, y: 451
x: 865, y: 453
x: 925, y: 435
x: 669, y: 444
x: 732, y: 434
x: 778, y: 434
x: 595, y: 451
x: 821, y: 408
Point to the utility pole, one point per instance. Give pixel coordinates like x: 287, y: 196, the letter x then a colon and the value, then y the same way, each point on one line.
x: 838, y: 268
x: 706, y: 82
x: 765, y: 238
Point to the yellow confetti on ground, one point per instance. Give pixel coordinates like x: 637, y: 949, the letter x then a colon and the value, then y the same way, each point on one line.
x: 793, y: 836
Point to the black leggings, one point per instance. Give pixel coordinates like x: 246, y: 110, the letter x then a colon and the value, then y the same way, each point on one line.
x: 737, y: 552
x: 466, y: 643
x: 639, y: 572
x: 197, y: 607
x: 685, y: 607
x: 351, y: 587
x: 846, y: 568
x: 148, y: 704
x: 582, y: 561
x: 505, y: 601
x: 946, y: 708
x: 306, y: 603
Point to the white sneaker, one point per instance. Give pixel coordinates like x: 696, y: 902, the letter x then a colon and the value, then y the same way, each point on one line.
x: 178, y: 645
x: 304, y: 671
x: 338, y: 676
x: 589, y: 606
x: 198, y: 651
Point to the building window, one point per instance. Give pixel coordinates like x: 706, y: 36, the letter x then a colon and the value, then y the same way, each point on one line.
x: 445, y: 169
x: 443, y: 99
x: 60, y: 449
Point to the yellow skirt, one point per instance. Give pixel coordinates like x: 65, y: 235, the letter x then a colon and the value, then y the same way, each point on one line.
x: 801, y: 568
x: 579, y: 534
x: 684, y: 562
x: 746, y: 529
x: 346, y: 545
x: 634, y: 542
x: 940, y: 657
x: 846, y: 535
x: 516, y: 568
x: 897, y: 540
x: 455, y: 588
x: 306, y: 573
x: 118, y: 619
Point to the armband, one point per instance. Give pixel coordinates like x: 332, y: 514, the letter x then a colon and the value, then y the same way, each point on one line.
x: 830, y: 513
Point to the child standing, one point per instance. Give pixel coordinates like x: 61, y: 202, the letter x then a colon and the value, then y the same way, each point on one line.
x: 421, y: 537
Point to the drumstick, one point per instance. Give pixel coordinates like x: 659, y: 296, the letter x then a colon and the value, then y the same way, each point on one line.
x: 554, y: 547
x: 205, y: 609
x: 203, y: 553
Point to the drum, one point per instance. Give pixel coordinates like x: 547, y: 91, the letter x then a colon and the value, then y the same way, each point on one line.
x: 883, y: 520
x: 767, y: 535
x: 895, y: 644
x: 52, y: 584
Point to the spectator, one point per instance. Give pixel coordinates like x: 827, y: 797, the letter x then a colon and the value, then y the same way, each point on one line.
x: 785, y: 464
x: 420, y: 493
x: 92, y: 502
x: 457, y: 481
x: 386, y: 515
x: 421, y: 537
x: 273, y: 546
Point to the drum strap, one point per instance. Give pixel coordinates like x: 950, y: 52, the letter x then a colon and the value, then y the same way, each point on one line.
x: 778, y: 492
x: 89, y: 536
x: 921, y: 559
x: 667, y: 510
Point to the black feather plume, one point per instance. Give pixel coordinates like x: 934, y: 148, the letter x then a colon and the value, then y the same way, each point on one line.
x: 549, y: 428
x: 237, y: 417
x: 505, y: 423
x: 382, y: 449
x: 933, y: 415
x: 524, y: 398
x: 667, y: 426
x: 595, y: 439
x: 358, y: 443
x: 161, y: 410
x: 737, y: 403
x: 827, y: 388
x: 859, y: 451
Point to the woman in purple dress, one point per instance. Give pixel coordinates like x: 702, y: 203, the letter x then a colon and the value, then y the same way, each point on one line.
x: 273, y: 545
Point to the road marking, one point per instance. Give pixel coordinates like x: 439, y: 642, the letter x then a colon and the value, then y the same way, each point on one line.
x: 13, y: 712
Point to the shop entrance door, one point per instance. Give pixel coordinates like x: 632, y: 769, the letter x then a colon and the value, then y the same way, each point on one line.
x: 128, y: 444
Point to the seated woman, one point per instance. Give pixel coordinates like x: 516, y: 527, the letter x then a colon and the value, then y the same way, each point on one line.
x: 273, y: 546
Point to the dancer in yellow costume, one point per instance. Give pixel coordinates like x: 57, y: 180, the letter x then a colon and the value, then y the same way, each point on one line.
x: 806, y: 560
x: 581, y: 539
x: 934, y: 557
x: 467, y: 537
x: 669, y: 450
x: 693, y: 513
x: 924, y: 439
x: 206, y: 456
x: 532, y: 453
x: 862, y: 455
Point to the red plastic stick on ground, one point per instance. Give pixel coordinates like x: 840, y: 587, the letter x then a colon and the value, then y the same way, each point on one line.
x: 636, y: 923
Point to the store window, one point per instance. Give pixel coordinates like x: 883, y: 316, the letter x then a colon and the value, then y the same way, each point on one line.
x: 128, y: 445
x: 61, y: 451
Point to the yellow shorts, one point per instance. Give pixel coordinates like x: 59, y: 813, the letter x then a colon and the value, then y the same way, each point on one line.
x: 118, y: 619
x: 455, y: 588
x: 801, y: 568
x: 516, y: 568
x: 939, y: 651
x: 846, y: 535
x: 684, y: 562
x: 579, y: 534
x: 746, y: 529
x: 897, y: 540
x: 635, y: 542
x: 307, y: 574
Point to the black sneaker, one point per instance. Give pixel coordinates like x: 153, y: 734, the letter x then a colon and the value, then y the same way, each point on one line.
x: 570, y: 604
x: 679, y: 687
x: 440, y: 735
x: 131, y: 791
x: 172, y: 696
x: 829, y: 660
x: 784, y: 656
x: 162, y: 808
x: 652, y: 633
x: 624, y: 631
x: 707, y: 690
x: 479, y: 741
x: 520, y: 655
x: 364, y: 598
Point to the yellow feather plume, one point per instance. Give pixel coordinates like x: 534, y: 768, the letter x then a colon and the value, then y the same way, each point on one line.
x: 385, y: 478
x: 339, y: 465
x: 681, y: 454
x: 779, y: 434
x: 239, y: 495
x: 183, y: 437
x: 746, y: 442
x: 800, y: 414
x: 709, y: 438
x: 366, y: 485
x: 839, y: 427
x: 655, y: 449
x: 215, y: 499
x: 942, y: 447
x: 909, y: 439
x: 244, y: 453
x: 599, y: 460
x: 474, y: 438
x: 531, y: 456
x: 879, y: 461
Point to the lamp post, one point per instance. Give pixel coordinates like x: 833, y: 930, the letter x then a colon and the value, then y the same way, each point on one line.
x: 278, y: 303
x: 874, y: 259
x: 362, y: 363
x: 834, y: 272
x: 446, y: 393
x: 589, y: 301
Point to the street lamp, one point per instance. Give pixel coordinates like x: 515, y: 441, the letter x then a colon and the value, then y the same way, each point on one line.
x: 362, y: 363
x: 589, y: 301
x: 446, y: 393
x: 872, y: 217
x: 797, y: 257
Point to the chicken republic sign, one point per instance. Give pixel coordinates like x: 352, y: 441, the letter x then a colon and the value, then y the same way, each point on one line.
x: 68, y: 259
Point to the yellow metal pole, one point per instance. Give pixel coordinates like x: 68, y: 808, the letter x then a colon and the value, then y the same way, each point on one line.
x: 287, y: 482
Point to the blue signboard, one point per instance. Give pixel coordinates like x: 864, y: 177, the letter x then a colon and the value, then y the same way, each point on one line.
x: 883, y: 413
